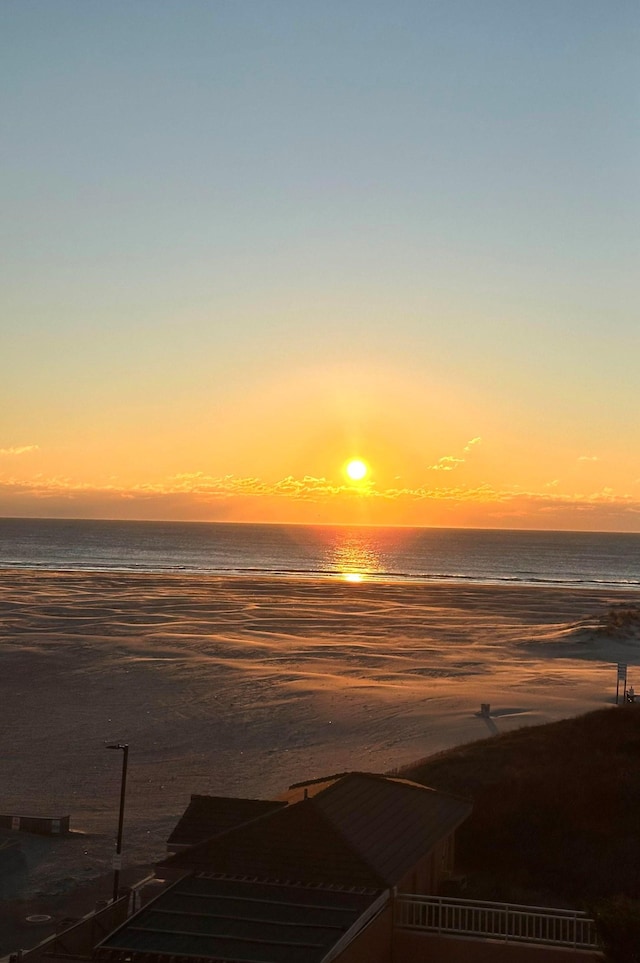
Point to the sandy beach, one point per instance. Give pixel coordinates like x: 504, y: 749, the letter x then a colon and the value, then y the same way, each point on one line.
x: 243, y: 685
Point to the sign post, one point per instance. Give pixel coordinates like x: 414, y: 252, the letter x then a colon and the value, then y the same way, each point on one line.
x: 622, y: 677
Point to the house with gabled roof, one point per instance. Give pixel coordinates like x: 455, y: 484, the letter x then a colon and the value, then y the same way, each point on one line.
x: 208, y: 816
x: 358, y: 828
x: 307, y: 880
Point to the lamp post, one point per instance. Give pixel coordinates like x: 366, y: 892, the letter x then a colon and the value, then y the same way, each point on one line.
x: 117, y: 859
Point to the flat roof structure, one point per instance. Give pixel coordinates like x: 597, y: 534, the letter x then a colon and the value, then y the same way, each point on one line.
x: 220, y: 918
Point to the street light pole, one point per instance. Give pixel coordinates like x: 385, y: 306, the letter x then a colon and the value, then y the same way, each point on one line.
x: 117, y: 859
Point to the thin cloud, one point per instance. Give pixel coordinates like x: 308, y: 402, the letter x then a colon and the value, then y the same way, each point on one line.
x: 449, y: 462
x: 588, y: 458
x: 19, y: 450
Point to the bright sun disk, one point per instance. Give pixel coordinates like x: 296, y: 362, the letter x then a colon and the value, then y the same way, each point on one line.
x: 356, y: 469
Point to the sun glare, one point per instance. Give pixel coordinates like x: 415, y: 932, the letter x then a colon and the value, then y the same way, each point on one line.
x: 356, y: 469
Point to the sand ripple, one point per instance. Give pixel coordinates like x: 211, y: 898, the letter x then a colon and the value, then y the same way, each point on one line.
x: 243, y: 685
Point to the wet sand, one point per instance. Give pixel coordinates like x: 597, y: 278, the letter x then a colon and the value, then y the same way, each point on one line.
x: 243, y: 685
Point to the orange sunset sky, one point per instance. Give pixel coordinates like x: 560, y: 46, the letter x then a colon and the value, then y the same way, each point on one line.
x: 246, y: 243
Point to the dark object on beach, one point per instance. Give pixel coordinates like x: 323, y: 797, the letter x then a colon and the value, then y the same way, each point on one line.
x: 41, y: 825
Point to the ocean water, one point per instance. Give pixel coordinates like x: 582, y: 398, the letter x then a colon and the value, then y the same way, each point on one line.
x: 576, y: 558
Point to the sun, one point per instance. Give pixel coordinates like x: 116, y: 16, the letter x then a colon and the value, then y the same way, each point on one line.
x: 356, y: 469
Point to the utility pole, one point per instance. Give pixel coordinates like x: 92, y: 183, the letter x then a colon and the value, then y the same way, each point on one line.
x: 117, y: 859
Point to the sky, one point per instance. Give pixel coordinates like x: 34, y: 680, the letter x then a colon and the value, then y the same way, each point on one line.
x: 247, y: 241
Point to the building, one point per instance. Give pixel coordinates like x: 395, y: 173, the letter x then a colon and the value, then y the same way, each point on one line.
x: 307, y: 880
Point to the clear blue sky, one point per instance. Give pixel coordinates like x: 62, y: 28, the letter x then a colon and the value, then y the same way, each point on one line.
x: 203, y: 202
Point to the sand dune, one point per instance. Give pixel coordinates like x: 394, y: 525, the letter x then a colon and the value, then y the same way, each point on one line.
x: 244, y: 685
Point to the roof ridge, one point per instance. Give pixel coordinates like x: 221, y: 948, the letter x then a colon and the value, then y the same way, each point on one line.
x: 412, y: 784
x: 342, y: 837
x: 334, y: 777
x: 251, y: 799
x: 389, y: 778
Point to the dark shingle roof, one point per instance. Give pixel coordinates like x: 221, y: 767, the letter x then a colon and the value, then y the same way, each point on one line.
x: 246, y: 921
x: 295, y: 843
x: 390, y: 823
x: 361, y: 830
x: 208, y: 816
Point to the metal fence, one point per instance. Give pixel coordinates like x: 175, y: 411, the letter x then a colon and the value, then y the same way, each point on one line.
x: 499, y: 921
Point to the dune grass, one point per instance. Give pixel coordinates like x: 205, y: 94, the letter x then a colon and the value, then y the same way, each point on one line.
x: 556, y: 817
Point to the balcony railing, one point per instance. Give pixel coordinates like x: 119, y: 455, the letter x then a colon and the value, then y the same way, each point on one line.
x: 498, y: 921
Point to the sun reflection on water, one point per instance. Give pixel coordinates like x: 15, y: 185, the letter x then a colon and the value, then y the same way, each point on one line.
x: 354, y: 558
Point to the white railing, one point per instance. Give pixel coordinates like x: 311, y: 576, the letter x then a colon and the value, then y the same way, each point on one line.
x: 499, y: 921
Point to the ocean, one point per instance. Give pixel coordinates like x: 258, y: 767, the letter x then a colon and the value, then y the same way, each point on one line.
x: 355, y: 553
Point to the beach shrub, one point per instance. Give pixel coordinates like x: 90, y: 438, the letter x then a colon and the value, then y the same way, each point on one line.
x: 618, y: 925
x: 555, y: 809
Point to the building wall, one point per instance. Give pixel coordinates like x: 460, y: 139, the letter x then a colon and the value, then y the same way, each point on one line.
x: 411, y: 947
x: 373, y: 943
x: 428, y: 874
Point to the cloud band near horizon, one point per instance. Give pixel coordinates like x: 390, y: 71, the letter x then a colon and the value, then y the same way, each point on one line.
x: 204, y: 497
